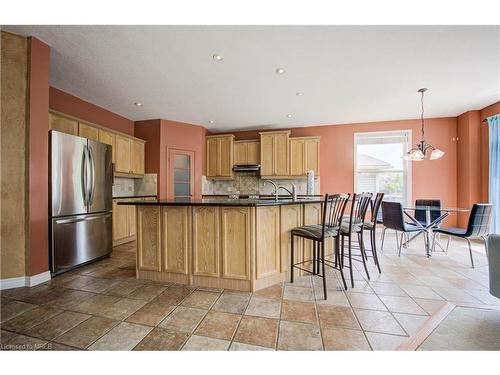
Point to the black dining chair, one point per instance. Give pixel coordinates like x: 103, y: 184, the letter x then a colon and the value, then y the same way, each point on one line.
x: 477, y: 227
x: 421, y: 217
x: 333, y: 211
x: 394, y: 219
x: 371, y: 226
x: 353, y: 224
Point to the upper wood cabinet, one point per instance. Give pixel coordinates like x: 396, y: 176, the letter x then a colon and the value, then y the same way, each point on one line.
x: 122, y: 152
x: 304, y: 155
x: 274, y: 153
x: 137, y: 157
x: 109, y: 139
x: 220, y: 156
x: 63, y: 124
x: 88, y: 131
x: 246, y: 152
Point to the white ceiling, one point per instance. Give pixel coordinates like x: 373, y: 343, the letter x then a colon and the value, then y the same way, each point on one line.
x: 347, y: 73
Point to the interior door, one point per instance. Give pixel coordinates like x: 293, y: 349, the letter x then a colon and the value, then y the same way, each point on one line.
x: 180, y: 174
x: 100, y: 198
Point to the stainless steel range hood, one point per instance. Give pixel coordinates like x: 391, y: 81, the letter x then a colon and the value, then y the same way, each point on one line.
x: 247, y: 168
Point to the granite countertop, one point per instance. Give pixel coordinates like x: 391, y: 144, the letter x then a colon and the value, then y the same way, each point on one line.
x: 134, y: 196
x: 224, y: 202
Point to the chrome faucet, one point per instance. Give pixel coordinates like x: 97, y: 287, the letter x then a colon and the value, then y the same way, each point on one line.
x: 275, y: 188
x: 293, y: 193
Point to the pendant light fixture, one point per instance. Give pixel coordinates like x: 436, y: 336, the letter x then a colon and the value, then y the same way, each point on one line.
x: 422, y: 148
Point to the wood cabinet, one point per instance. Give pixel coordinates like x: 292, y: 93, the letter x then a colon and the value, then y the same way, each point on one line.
x: 312, y: 215
x: 267, y: 241
x: 274, y: 153
x: 120, y: 221
x: 236, y: 234
x: 137, y: 157
x: 206, y: 241
x: 148, y: 239
x: 246, y: 152
x: 88, y: 131
x: 290, y: 217
x: 132, y: 220
x: 63, y: 124
x: 220, y: 156
x: 176, y: 239
x: 109, y: 139
x: 123, y: 159
x: 304, y: 155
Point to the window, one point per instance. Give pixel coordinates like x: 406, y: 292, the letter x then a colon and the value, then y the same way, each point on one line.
x: 379, y: 166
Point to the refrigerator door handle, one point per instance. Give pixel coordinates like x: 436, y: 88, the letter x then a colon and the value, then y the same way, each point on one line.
x: 92, y: 177
x: 84, y: 176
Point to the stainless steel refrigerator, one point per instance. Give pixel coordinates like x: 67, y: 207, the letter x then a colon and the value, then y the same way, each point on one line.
x: 81, y: 175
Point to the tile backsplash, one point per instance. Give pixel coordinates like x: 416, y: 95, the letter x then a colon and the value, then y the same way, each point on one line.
x: 135, y: 186
x: 251, y: 183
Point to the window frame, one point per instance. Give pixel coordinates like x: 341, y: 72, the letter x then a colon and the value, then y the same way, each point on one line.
x: 407, y: 165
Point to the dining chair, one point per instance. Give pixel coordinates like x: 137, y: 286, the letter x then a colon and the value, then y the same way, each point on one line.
x: 394, y: 219
x: 353, y: 224
x: 371, y: 226
x: 421, y: 217
x: 477, y: 227
x: 333, y: 211
x: 493, y: 249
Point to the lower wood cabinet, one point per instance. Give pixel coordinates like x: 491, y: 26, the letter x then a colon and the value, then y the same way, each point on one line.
x: 176, y: 239
x: 236, y: 237
x: 148, y: 239
x: 206, y: 241
x: 312, y: 215
x: 120, y: 221
x: 267, y: 241
x: 290, y: 217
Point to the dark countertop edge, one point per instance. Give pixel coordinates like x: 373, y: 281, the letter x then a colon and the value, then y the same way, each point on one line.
x: 220, y: 204
x: 134, y: 196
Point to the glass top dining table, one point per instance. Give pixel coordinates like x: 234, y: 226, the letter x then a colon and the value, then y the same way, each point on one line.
x: 429, y: 224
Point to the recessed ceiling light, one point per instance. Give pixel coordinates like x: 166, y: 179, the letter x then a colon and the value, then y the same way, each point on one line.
x: 217, y: 57
x: 280, y: 71
x: 138, y: 104
x: 289, y: 116
x: 211, y: 121
x: 299, y: 94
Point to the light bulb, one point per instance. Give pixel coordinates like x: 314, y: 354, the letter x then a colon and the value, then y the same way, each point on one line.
x: 436, y: 154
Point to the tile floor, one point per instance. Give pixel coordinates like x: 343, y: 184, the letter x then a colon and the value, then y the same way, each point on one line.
x: 102, y: 307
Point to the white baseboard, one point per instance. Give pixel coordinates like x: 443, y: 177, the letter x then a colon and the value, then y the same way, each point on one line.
x: 29, y: 281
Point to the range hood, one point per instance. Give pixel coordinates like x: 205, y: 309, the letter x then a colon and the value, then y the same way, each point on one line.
x: 247, y: 168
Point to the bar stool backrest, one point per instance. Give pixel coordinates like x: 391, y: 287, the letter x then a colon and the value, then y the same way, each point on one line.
x: 359, y: 206
x: 393, y: 216
x: 333, y: 209
x: 420, y: 214
x: 376, y: 207
x: 479, y: 220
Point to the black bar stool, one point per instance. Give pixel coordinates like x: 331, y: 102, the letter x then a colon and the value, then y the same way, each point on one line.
x: 371, y: 226
x: 354, y: 224
x: 333, y: 210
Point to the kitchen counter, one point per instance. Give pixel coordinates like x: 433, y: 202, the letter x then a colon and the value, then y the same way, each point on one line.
x: 135, y: 196
x: 224, y: 202
x: 238, y: 244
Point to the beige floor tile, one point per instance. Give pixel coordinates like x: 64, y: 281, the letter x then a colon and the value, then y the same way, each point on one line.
x: 334, y: 297
x: 124, y: 287
x: 257, y: 331
x: 366, y: 301
x: 378, y: 321
x: 299, y: 311
x: 206, y: 343
x: 69, y: 299
x: 12, y: 308
x: 274, y: 292
x: 200, y: 299
x: 96, y: 304
x: 298, y: 293
x: 239, y: 346
x: 29, y: 319
x: 380, y: 341
x: 147, y: 292
x: 98, y: 285
x: 263, y: 307
x: 152, y: 313
x: 411, y: 323
x: 403, y: 305
x: 121, y: 309
x: 5, y: 336
x: 218, y: 325
x: 162, y: 339
x: 420, y: 291
x: 388, y: 289
x: 299, y: 336
x: 124, y: 336
x: 87, y: 332
x: 456, y: 295
x: 232, y: 303
x: 430, y: 305
x: 175, y: 294
x: 336, y: 338
x: 337, y: 316
x: 57, y: 325
x: 183, y: 319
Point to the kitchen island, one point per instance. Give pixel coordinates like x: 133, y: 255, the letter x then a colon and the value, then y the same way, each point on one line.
x: 221, y: 243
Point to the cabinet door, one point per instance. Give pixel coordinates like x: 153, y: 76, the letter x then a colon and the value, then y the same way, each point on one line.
x: 311, y: 156
x: 148, y: 238
x: 122, y: 154
x: 212, y: 157
x: 206, y: 232
x: 291, y: 217
x: 253, y: 152
x: 120, y: 221
x: 281, y: 155
x: 88, y: 131
x: 236, y: 242
x: 225, y: 157
x: 109, y: 139
x: 268, y: 241
x: 297, y: 151
x: 176, y: 239
x: 137, y: 157
x: 312, y: 215
x: 266, y: 155
x: 240, y: 153
x: 131, y: 220
x: 63, y: 124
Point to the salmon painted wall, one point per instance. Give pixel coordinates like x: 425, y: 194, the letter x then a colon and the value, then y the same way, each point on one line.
x: 430, y: 179
x: 71, y: 105
x: 38, y: 184
x: 164, y: 134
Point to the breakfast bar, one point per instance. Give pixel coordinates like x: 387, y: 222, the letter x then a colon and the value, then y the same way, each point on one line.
x: 239, y: 244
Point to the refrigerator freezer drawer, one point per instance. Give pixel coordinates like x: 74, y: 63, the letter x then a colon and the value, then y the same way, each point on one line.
x: 79, y: 239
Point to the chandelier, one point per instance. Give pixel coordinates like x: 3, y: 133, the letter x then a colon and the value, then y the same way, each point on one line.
x: 422, y: 148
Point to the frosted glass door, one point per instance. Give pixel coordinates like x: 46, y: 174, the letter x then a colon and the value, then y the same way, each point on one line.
x: 182, y: 174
